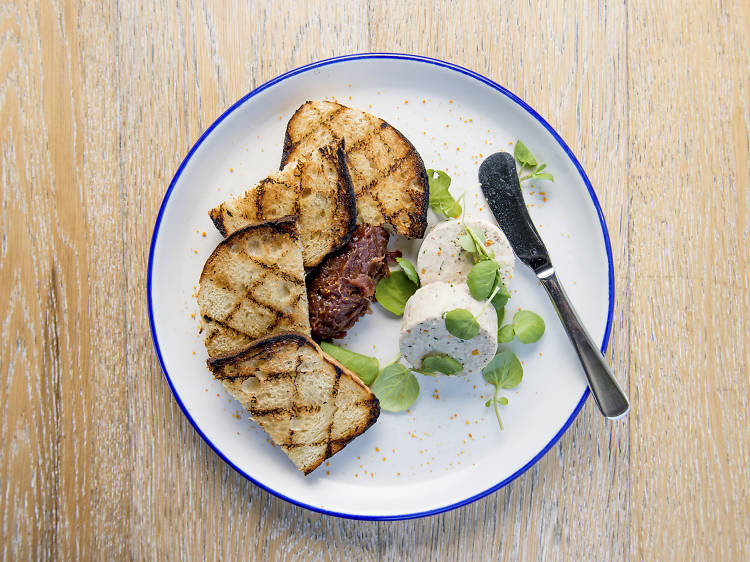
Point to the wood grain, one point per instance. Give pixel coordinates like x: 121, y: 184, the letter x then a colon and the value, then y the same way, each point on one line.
x: 99, y: 103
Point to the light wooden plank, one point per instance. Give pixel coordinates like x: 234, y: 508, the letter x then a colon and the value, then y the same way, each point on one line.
x: 61, y: 264
x: 688, y: 83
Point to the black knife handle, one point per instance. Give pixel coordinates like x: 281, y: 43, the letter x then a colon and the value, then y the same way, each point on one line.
x: 607, y: 393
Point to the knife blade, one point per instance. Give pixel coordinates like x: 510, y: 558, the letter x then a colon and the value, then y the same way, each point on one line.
x: 502, y: 189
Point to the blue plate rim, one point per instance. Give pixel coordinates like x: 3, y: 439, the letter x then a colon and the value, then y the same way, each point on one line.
x: 414, y: 58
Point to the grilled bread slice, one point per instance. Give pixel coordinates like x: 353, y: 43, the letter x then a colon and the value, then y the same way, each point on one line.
x: 390, y: 181
x: 253, y: 285
x: 316, y: 188
x: 308, y: 403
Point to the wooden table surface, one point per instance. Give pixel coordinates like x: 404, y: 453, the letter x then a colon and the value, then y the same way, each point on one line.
x: 99, y: 102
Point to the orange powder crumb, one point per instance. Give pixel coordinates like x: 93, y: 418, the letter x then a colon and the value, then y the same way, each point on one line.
x: 471, y: 436
x: 446, y: 125
x: 475, y: 352
x: 406, y: 101
x: 383, y: 459
x: 231, y: 170
x: 377, y: 449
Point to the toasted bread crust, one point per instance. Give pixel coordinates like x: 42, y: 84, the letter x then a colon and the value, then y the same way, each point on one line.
x: 324, y: 205
x: 286, y: 225
x: 415, y: 224
x: 256, y: 361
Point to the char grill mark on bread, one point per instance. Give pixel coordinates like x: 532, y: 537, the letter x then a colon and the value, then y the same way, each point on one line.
x: 253, y: 285
x: 389, y: 178
x: 316, y: 188
x: 308, y: 403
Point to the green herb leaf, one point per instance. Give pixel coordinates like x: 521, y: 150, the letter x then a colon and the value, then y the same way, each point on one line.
x: 500, y: 317
x: 480, y: 251
x: 461, y: 323
x: 409, y: 269
x: 501, y: 297
x: 396, y: 388
x: 528, y: 326
x: 481, y: 279
x: 523, y: 156
x: 365, y: 367
x: 506, y: 334
x: 504, y: 370
x: 393, y: 291
x: 467, y: 243
x: 543, y: 176
x: 441, y: 363
x: 441, y: 200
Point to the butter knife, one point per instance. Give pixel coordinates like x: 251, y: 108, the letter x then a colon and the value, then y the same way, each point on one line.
x: 502, y: 189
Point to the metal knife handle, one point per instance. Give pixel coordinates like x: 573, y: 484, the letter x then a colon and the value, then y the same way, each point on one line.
x: 607, y: 393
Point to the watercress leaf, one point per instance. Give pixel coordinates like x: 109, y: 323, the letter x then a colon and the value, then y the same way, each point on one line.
x: 504, y: 370
x: 500, y: 317
x: 540, y: 168
x: 501, y: 297
x: 365, y: 367
x: 481, y: 251
x: 506, y: 334
x: 461, y: 323
x: 523, y: 155
x: 481, y: 279
x: 441, y: 363
x: 409, y: 269
x: 503, y: 401
x: 441, y: 200
x: 528, y: 326
x: 396, y: 388
x: 467, y: 243
x: 488, y: 403
x: 543, y: 176
x: 393, y: 291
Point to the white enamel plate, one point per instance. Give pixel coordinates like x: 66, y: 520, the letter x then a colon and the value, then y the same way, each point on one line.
x: 447, y: 450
